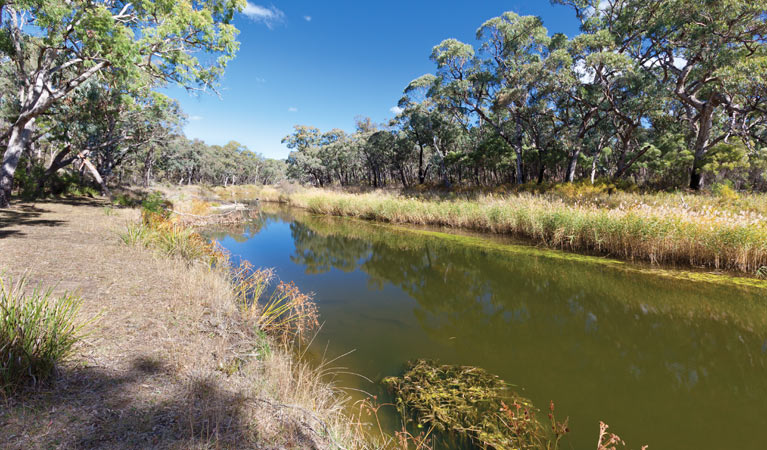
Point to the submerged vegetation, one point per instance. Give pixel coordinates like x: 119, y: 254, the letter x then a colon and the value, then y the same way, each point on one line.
x: 472, y: 403
x: 37, y: 331
x: 468, y: 403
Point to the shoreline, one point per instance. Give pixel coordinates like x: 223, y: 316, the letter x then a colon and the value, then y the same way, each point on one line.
x: 734, y: 247
x: 170, y: 363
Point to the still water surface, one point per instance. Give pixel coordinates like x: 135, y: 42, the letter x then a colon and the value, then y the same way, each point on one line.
x: 672, y: 363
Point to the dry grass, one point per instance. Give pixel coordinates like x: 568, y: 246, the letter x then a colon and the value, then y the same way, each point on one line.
x: 169, y: 364
x: 716, y: 232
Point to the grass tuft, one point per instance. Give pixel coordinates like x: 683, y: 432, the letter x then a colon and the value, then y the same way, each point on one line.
x: 37, y: 331
x: 286, y: 313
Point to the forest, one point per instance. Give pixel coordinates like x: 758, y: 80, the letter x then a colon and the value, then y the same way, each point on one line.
x: 80, y: 104
x: 660, y: 94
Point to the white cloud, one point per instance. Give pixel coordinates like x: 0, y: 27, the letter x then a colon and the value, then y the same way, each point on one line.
x: 585, y: 74
x: 270, y: 16
x: 259, y: 80
x: 195, y: 118
x: 292, y: 109
x: 679, y: 62
x: 308, y: 18
x: 396, y: 110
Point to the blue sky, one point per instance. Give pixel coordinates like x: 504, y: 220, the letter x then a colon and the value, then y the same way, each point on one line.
x: 324, y: 63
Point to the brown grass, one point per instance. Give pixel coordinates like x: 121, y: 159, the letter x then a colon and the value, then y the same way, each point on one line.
x: 169, y: 363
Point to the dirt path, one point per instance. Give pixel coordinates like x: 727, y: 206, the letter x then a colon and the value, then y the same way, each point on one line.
x: 148, y: 374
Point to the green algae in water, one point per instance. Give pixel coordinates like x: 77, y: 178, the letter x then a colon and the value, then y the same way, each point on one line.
x: 469, y: 403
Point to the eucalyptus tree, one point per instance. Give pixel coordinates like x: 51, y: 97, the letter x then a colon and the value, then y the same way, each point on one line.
x: 705, y: 53
x: 517, y: 48
x: 55, y: 46
x: 304, y: 160
x: 441, y: 117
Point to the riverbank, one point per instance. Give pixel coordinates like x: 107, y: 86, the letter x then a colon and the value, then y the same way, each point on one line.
x: 169, y: 362
x: 717, y: 232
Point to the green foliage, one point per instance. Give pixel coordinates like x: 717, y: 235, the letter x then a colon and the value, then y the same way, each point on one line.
x: 125, y: 200
x: 471, y: 403
x: 26, y: 179
x: 155, y: 203
x: 37, y: 331
x: 724, y: 191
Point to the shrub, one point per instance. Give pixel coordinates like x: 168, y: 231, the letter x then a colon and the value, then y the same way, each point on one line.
x: 725, y: 191
x: 155, y: 203
x: 125, y: 200
x: 172, y: 239
x: 37, y: 331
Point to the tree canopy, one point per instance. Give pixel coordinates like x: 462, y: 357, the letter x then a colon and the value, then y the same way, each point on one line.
x: 656, y: 92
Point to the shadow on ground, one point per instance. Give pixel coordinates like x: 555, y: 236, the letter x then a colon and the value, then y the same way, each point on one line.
x: 21, y: 216
x: 142, y: 408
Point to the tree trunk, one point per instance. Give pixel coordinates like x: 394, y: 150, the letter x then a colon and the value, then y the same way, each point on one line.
x: 702, y: 139
x: 518, y: 150
x: 96, y: 175
x: 57, y: 163
x: 697, y: 178
x: 572, y: 165
x: 421, y: 172
x: 17, y: 143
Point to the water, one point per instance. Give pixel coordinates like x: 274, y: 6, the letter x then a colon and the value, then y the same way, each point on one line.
x: 668, y: 362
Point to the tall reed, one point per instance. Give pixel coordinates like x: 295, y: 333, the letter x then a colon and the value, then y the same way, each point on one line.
x: 663, y: 233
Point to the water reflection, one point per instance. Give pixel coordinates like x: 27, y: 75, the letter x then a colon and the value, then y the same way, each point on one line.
x: 670, y: 363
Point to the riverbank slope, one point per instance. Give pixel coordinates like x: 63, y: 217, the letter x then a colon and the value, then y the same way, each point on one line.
x: 167, y: 363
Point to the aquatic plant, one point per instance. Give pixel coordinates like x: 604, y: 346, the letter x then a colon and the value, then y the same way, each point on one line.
x: 37, y: 331
x: 285, y: 313
x: 468, y: 402
x: 610, y: 441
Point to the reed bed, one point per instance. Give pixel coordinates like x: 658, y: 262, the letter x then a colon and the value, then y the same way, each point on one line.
x: 670, y: 229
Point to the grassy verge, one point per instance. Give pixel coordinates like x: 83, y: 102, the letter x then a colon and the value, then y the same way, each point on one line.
x: 726, y: 232
x: 267, y: 326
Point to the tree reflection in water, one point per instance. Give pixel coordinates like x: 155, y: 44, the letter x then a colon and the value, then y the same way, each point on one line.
x: 655, y: 356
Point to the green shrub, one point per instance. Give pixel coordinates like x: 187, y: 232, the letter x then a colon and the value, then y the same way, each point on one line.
x: 155, y: 203
x: 125, y: 200
x: 26, y: 179
x: 725, y: 191
x: 37, y: 331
